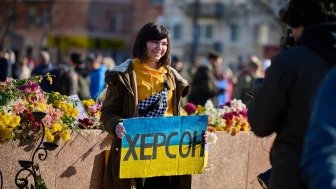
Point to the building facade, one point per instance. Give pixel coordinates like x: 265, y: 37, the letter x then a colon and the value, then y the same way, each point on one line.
x: 234, y: 28
x: 105, y: 26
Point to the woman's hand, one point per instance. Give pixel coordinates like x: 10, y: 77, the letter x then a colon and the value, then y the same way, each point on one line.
x: 205, y: 136
x: 120, y: 130
x: 210, y: 136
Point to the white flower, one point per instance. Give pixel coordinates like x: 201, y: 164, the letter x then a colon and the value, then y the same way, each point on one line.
x: 209, y: 104
x: 237, y: 105
x: 211, y: 138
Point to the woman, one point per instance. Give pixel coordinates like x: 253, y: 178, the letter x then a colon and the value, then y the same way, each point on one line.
x: 130, y: 85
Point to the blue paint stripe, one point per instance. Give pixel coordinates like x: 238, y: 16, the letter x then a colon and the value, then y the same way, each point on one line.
x: 162, y: 127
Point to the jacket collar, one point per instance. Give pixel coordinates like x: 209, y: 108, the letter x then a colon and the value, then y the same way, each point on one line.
x: 123, y: 67
x: 124, y: 73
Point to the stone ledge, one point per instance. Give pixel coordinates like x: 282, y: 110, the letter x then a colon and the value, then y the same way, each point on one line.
x: 234, y: 162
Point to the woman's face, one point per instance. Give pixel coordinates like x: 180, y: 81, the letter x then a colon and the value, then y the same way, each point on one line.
x: 156, y: 49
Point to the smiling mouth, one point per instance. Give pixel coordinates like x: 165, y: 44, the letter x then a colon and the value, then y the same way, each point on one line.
x: 156, y: 52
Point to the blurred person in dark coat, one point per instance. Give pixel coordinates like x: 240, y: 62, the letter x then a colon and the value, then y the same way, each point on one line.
x: 246, y: 79
x: 203, y: 85
x: 283, y: 104
x: 43, y: 67
x: 5, y: 65
x: 82, y: 75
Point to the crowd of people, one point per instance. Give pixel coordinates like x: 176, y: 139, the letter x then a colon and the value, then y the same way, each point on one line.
x: 79, y: 74
x: 283, y: 103
x: 211, y: 80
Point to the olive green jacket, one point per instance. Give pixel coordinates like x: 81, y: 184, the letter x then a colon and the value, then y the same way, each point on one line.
x: 121, y: 103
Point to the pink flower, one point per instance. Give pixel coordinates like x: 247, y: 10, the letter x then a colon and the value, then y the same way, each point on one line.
x: 230, y: 115
x: 30, y: 87
x: 190, y: 108
x: 47, y: 120
x: 55, y: 115
x: 243, y: 113
x: 19, y: 108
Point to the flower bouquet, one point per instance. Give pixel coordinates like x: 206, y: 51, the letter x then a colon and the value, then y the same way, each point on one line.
x: 231, y: 117
x: 19, y: 99
x: 92, y: 109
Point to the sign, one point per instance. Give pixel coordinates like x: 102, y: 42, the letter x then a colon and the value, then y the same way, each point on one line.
x: 163, y: 146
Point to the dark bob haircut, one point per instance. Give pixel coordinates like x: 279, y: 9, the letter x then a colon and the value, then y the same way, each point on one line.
x: 151, y: 31
x: 308, y: 12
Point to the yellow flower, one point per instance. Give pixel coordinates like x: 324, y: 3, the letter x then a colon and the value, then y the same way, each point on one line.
x: 56, y: 93
x: 15, y: 121
x: 200, y: 109
x: 50, y: 137
x: 65, y: 135
x: 9, y: 120
x: 73, y: 112
x: 6, y: 134
x: 49, y: 78
x: 245, y: 127
x: 219, y: 128
x: 41, y: 107
x: 228, y: 129
x: 2, y: 126
x: 5, y: 120
x: 88, y: 102
x: 238, y: 127
x: 56, y: 127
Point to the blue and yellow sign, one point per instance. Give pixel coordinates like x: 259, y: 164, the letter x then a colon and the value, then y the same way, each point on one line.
x: 163, y: 146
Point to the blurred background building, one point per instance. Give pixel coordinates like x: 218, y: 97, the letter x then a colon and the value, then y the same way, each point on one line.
x: 62, y: 26
x: 235, y: 28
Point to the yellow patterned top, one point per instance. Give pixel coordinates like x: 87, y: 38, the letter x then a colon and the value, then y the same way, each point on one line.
x: 151, y: 81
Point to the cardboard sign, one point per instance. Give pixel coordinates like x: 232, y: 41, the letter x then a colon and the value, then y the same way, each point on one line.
x: 163, y: 146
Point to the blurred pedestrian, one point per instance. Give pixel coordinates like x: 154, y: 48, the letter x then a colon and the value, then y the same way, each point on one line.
x: 5, y: 65
x: 108, y: 62
x: 66, y: 79
x: 43, y: 67
x: 97, y: 74
x: 246, y: 79
x: 224, y: 82
x: 145, y: 86
x: 283, y: 104
x: 23, y: 71
x: 179, y: 66
x: 203, y: 85
x: 82, y: 75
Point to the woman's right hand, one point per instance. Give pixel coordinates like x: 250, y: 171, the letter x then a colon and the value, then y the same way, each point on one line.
x: 120, y: 130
